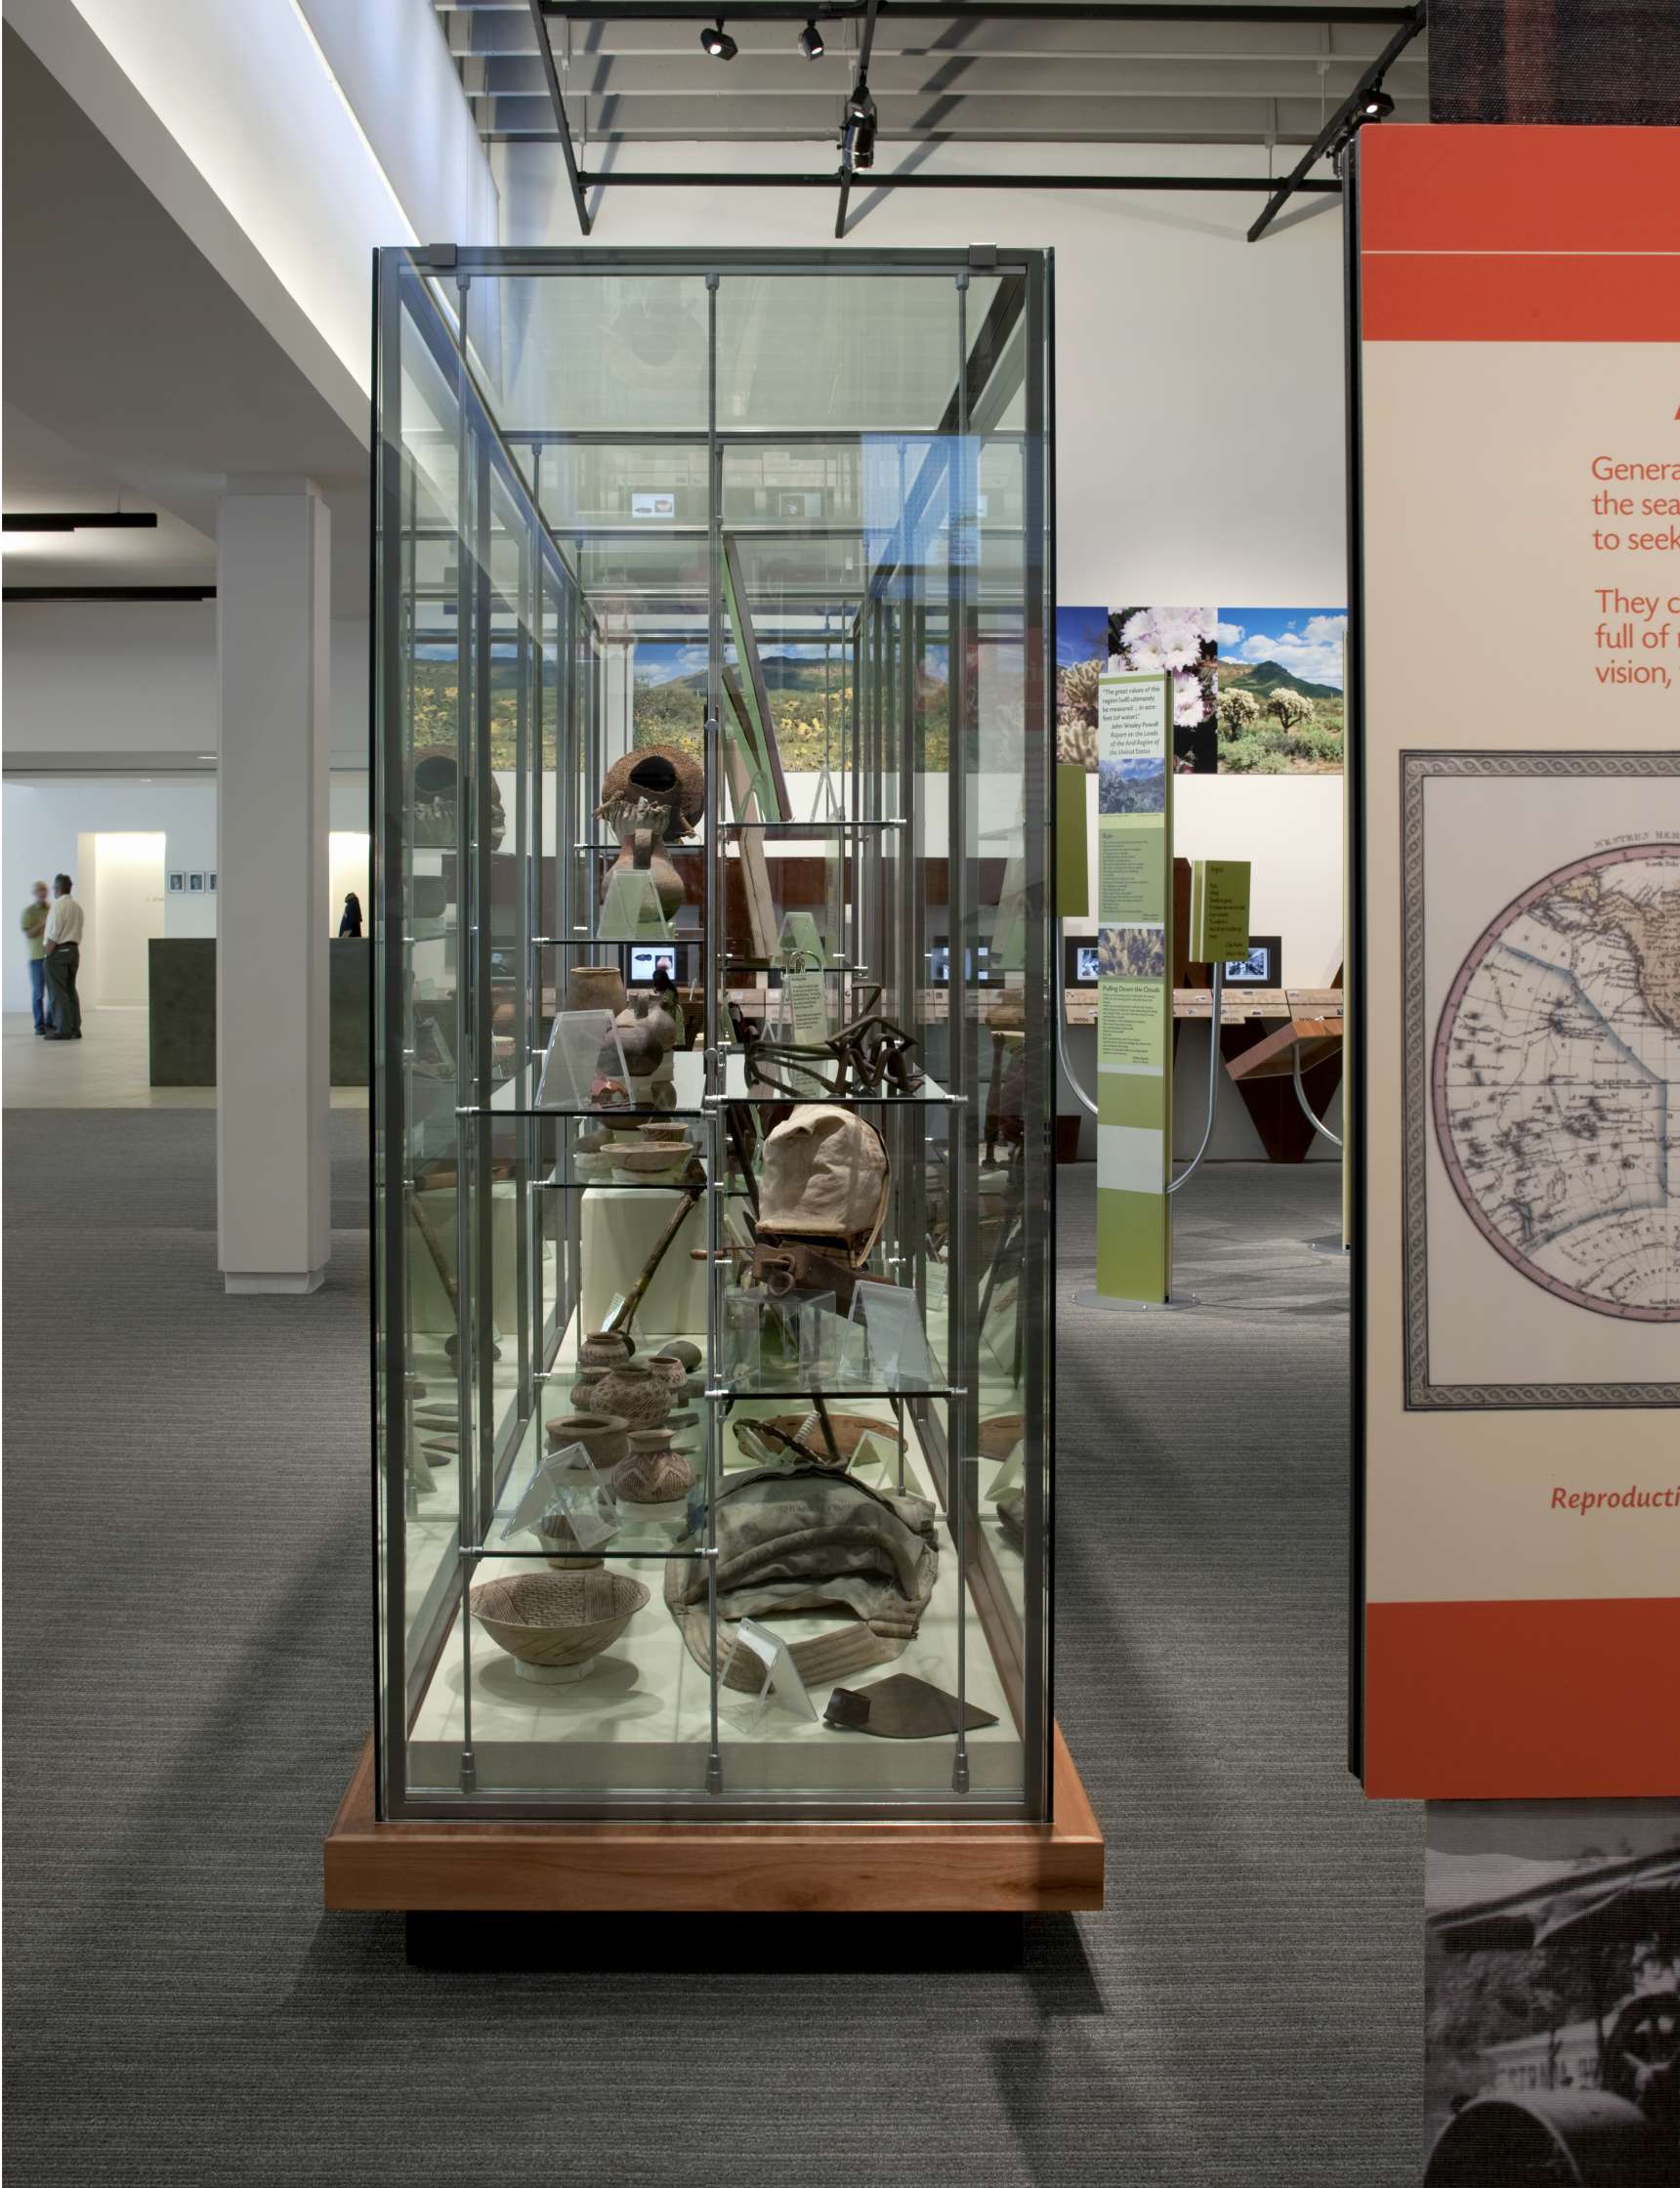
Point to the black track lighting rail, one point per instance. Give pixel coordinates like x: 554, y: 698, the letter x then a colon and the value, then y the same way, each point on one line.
x: 551, y: 76
x: 860, y: 89
x: 971, y: 11
x: 1344, y: 121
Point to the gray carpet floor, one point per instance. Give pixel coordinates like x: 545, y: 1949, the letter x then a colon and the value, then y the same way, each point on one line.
x: 188, y: 1650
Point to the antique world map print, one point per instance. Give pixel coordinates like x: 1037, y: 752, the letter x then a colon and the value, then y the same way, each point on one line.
x: 1556, y: 1082
x: 1540, y: 950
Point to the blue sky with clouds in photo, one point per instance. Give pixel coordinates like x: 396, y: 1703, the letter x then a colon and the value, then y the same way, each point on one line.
x: 1305, y: 641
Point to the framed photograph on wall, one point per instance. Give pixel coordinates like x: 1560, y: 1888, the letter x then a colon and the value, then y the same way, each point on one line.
x: 177, y: 882
x: 195, y: 884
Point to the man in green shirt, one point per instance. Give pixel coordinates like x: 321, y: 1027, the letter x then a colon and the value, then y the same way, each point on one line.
x: 35, y: 927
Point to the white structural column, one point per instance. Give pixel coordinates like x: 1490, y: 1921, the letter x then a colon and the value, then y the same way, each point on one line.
x: 273, y: 1179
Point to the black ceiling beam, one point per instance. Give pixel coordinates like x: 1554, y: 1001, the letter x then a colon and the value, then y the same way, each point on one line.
x: 81, y: 520
x: 1296, y: 179
x: 108, y: 592
x: 545, y: 54
x: 970, y: 11
x: 999, y: 181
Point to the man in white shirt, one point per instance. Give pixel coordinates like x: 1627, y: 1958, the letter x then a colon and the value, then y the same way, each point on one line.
x: 63, y: 946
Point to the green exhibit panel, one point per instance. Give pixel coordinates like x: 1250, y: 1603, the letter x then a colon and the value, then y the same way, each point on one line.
x: 1134, y: 986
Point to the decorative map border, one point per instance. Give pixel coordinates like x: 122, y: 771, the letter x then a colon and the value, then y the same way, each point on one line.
x: 1415, y: 768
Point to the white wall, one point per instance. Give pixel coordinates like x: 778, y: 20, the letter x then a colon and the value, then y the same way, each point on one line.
x: 1199, y: 429
x: 240, y: 118
x: 138, y: 678
x: 45, y: 820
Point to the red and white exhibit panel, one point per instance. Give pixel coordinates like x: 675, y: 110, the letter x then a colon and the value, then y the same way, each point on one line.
x: 1516, y: 675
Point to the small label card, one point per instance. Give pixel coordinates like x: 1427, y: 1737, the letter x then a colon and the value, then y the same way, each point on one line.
x: 782, y: 1681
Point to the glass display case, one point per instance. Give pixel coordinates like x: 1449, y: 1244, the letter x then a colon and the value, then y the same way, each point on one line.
x: 714, y: 1054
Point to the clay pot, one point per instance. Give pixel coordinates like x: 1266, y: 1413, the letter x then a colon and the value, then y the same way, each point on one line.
x: 434, y: 787
x: 643, y: 850
x: 595, y: 988
x: 664, y: 1135
x: 604, y: 1436
x: 671, y: 1373
x: 650, y: 1008
x: 635, y: 1393
x: 646, y: 1057
x: 664, y: 773
x: 680, y: 1348
x: 564, y: 1554
x: 603, y: 1348
x: 654, y: 1473
x: 584, y: 1388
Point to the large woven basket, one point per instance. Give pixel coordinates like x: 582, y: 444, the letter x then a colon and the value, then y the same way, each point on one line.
x: 555, y: 1619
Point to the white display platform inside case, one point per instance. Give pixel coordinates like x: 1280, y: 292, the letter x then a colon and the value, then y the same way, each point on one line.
x: 621, y: 1227
x: 640, y: 1719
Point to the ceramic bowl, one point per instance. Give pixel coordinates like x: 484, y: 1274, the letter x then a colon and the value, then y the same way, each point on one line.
x: 654, y: 1473
x: 551, y: 1622
x: 604, y: 1436
x: 663, y: 1133
x: 999, y: 1435
x: 651, y: 1162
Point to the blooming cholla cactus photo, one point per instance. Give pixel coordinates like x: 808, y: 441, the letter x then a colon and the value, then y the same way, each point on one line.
x: 1183, y: 642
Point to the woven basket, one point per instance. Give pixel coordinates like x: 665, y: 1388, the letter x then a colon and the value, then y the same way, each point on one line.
x: 557, y: 1618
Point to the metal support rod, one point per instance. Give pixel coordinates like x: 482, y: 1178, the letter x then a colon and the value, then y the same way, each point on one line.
x: 688, y: 178
x: 1215, y: 1060
x: 716, y: 1069
x: 545, y: 54
x: 963, y: 1139
x: 1296, y: 180
x: 1313, y: 1117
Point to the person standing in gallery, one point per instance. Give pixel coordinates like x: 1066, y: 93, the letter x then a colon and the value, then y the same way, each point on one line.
x: 35, y: 927
x: 349, y: 926
x: 62, y: 941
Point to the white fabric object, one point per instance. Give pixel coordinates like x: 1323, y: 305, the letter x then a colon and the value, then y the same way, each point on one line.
x: 825, y: 1177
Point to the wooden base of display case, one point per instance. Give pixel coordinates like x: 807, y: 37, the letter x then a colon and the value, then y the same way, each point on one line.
x: 886, y: 1866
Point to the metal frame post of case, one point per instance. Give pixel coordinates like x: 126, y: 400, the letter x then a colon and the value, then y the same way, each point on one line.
x: 712, y: 696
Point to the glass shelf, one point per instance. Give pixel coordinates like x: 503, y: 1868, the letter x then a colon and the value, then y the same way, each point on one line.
x: 837, y: 1394
x: 828, y: 827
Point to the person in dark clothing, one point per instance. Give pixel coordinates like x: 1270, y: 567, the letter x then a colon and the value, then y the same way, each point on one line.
x: 351, y: 923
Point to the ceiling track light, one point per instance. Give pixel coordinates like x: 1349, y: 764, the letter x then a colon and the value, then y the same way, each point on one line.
x: 810, y: 41
x: 857, y: 128
x: 717, y: 42
x: 1376, y: 104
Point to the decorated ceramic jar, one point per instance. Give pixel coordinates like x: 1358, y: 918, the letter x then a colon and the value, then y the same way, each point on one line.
x: 655, y: 1473
x: 635, y: 1393
x: 603, y: 1348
